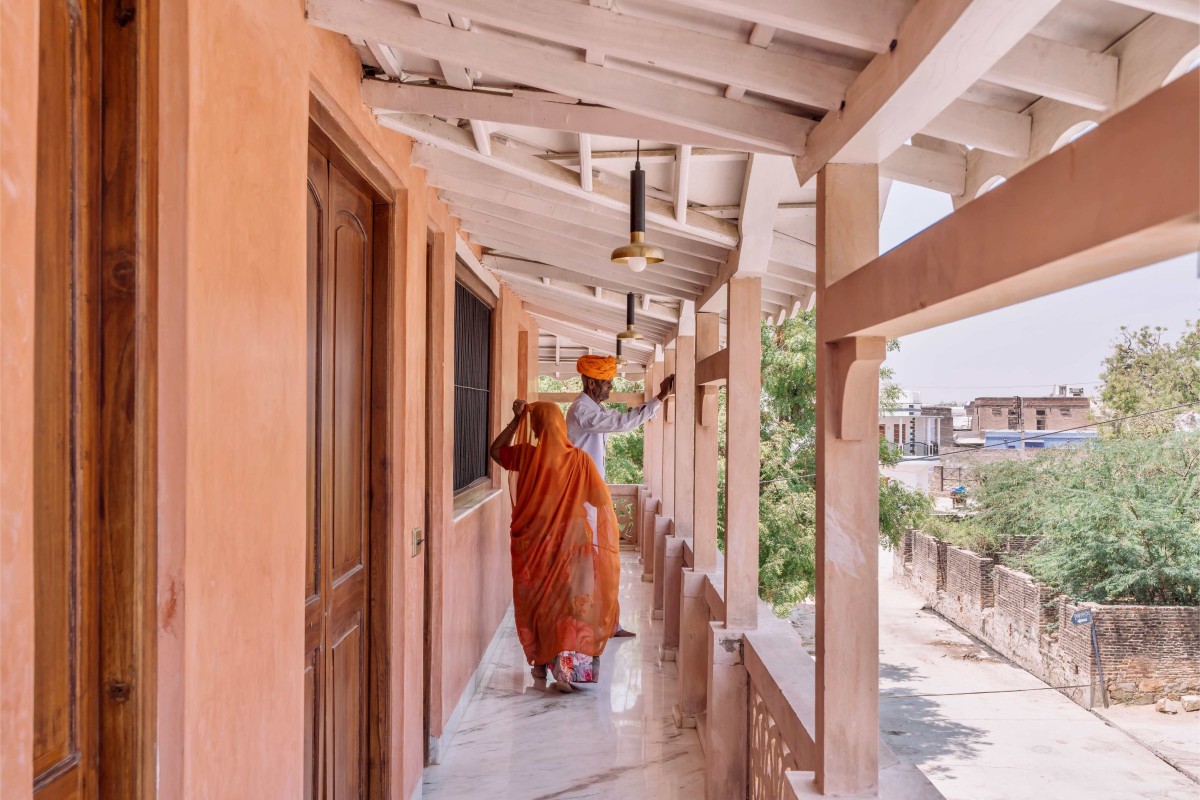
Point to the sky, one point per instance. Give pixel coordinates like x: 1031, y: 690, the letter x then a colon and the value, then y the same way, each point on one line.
x: 1029, y: 347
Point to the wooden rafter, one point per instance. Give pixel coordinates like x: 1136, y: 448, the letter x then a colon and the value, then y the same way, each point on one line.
x: 444, y: 138
x: 944, y: 46
x: 531, y: 66
x: 510, y: 109
x: 770, y: 72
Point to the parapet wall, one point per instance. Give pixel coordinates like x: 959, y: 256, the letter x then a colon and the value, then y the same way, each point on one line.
x: 1147, y: 652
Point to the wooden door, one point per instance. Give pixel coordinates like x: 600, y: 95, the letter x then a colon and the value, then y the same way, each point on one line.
x: 337, y: 702
x: 93, y: 474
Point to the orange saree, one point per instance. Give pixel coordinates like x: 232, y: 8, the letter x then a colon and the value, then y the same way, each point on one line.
x: 565, y: 575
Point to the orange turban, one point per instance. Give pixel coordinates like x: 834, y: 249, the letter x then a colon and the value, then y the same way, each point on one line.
x: 602, y: 368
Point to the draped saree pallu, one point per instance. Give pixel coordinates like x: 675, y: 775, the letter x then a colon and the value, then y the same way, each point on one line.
x: 565, y: 574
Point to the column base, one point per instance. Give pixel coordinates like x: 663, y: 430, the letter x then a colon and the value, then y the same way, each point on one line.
x: 666, y: 653
x: 680, y: 720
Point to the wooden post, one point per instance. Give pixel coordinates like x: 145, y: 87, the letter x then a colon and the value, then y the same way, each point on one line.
x: 685, y: 424
x: 704, y: 464
x: 742, y: 453
x: 668, y: 438
x: 847, y: 485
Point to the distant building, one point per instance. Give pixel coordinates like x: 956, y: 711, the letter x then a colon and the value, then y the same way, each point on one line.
x: 1032, y: 439
x: 917, y: 430
x: 1067, y: 408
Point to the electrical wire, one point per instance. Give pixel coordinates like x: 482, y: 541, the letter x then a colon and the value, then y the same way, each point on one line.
x: 1012, y: 441
x: 986, y: 691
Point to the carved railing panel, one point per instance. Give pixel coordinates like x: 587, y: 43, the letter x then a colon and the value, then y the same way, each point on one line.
x: 770, y: 757
x: 626, y: 505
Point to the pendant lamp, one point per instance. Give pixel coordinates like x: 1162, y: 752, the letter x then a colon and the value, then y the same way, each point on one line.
x: 637, y: 254
x: 629, y: 332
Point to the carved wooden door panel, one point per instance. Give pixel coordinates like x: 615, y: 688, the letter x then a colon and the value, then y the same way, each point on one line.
x: 65, y: 703
x: 336, y: 602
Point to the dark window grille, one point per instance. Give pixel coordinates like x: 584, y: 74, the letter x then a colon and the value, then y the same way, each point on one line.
x: 472, y: 387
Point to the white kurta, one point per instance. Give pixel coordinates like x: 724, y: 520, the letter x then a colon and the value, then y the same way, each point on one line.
x: 589, y: 423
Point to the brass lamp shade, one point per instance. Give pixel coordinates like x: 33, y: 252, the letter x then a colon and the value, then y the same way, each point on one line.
x: 638, y: 248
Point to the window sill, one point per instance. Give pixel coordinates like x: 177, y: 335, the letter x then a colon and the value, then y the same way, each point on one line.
x: 474, y: 498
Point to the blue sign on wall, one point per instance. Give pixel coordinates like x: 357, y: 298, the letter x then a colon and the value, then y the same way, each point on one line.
x: 1081, y: 617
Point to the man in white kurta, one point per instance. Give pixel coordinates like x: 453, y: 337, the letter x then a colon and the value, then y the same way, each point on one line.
x: 589, y: 423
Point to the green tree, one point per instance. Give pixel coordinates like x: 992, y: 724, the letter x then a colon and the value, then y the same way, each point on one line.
x: 1118, y: 518
x: 1144, y: 372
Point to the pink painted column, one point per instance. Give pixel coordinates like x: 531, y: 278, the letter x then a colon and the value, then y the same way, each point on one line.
x: 847, y: 486
x: 742, y: 453
x: 693, y: 654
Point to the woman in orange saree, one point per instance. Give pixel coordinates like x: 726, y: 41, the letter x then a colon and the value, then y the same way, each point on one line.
x: 565, y: 574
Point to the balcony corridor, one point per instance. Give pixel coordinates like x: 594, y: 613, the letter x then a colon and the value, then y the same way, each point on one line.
x: 611, y: 739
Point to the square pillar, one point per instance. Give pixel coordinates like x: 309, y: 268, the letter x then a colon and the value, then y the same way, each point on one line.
x: 685, y: 426
x: 726, y: 754
x: 704, y: 456
x: 743, y: 421
x: 847, y: 487
x: 692, y: 655
x: 672, y: 578
x: 649, y: 536
x: 662, y: 535
x: 668, y: 439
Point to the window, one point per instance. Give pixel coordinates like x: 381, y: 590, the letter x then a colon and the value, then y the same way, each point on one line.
x: 472, y: 387
x: 995, y: 412
x: 1041, y: 419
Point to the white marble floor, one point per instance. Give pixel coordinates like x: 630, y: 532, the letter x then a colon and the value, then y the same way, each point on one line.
x: 613, y: 739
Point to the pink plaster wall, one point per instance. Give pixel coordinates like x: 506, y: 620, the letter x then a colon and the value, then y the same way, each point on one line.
x: 233, y: 125
x: 18, y: 184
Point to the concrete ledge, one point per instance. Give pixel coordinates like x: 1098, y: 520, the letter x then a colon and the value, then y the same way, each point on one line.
x: 897, y: 781
x: 682, y: 721
x: 666, y: 653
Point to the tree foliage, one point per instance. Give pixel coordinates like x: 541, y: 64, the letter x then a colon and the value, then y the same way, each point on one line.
x: 1118, y: 519
x: 1144, y: 373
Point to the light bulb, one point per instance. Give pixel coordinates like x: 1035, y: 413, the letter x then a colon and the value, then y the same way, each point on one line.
x: 637, y: 263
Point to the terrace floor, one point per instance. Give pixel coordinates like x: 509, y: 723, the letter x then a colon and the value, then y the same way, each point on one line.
x: 615, y: 738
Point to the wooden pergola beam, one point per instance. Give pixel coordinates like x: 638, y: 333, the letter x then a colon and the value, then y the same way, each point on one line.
x: 646, y: 41
x: 1125, y: 195
x: 508, y: 109
x: 531, y: 66
x: 943, y: 47
x: 865, y: 24
x: 453, y: 149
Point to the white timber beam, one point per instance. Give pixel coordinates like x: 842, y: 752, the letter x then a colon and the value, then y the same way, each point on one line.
x: 921, y: 167
x: 761, y: 188
x: 455, y: 73
x: 555, y: 269
x: 464, y: 251
x: 535, y: 110
x: 683, y: 162
x: 585, y: 163
x: 1059, y: 71
x: 656, y: 311
x: 1185, y: 10
x: 440, y: 137
x: 660, y: 155
x: 389, y: 60
x: 864, y: 24
x: 943, y: 47
x: 564, y: 215
x: 532, y: 66
x: 482, y: 131
x: 685, y: 268
x: 1084, y: 212
x: 607, y: 235
x: 646, y: 41
x: 985, y: 127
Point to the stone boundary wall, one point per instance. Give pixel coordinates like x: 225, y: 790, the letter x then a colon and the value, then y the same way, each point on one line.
x: 1148, y: 652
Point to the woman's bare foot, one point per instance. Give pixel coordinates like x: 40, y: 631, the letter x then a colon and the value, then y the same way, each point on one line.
x: 562, y: 686
x: 622, y: 633
x: 538, y: 673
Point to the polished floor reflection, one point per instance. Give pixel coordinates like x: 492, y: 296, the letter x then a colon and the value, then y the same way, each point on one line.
x: 614, y: 739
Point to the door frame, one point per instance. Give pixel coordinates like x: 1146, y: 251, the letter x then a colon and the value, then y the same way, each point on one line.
x: 115, y: 367
x: 333, y: 136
